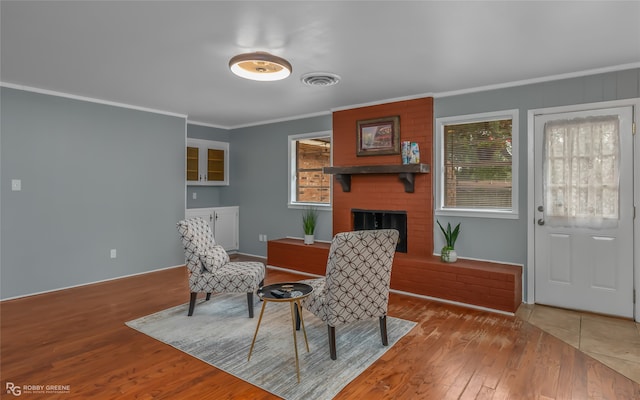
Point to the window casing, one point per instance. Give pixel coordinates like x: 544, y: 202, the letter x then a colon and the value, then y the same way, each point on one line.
x: 477, y: 160
x: 308, y: 154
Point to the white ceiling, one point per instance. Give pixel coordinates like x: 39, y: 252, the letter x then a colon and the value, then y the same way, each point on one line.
x: 173, y: 55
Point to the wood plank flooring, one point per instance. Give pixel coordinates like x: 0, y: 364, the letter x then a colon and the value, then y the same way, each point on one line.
x: 77, y: 337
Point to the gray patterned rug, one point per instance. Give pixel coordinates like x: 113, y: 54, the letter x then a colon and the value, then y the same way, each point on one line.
x: 220, y: 333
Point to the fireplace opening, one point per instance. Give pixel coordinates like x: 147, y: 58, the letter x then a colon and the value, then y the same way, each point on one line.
x: 382, y: 219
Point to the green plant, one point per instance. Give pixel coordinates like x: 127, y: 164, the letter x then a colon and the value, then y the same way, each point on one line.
x: 309, y: 220
x: 449, y: 235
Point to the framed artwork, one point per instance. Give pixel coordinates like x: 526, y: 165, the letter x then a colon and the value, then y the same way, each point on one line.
x: 379, y: 136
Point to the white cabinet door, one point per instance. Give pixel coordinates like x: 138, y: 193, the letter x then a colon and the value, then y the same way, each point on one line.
x: 205, y: 213
x: 224, y: 223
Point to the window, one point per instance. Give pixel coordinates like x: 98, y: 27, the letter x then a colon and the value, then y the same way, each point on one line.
x: 308, y: 154
x: 477, y: 162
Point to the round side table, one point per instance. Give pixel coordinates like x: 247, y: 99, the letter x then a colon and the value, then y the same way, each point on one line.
x: 292, y: 293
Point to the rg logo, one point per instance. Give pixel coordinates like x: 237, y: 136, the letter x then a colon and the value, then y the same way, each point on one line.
x: 13, y: 389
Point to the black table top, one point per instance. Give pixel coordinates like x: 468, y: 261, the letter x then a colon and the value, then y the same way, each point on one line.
x: 285, y: 291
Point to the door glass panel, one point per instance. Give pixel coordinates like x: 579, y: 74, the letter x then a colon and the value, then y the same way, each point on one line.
x: 581, y: 177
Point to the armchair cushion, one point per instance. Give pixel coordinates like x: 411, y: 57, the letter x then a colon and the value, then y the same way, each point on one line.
x: 232, y: 277
x: 214, y: 258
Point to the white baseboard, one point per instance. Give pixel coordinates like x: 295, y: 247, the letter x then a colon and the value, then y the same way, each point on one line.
x: 89, y: 283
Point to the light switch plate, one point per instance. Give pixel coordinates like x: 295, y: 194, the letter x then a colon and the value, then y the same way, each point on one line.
x: 16, y: 185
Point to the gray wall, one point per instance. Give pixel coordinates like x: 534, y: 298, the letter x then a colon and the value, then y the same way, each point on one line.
x: 94, y: 178
x: 98, y: 177
x: 259, y: 179
x: 506, y: 240
x: 206, y: 196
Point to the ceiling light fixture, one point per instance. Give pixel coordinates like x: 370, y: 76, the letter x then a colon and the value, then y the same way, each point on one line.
x: 260, y: 66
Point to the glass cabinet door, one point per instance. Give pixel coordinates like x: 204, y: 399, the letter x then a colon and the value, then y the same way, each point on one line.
x: 193, y: 161
x: 215, y: 165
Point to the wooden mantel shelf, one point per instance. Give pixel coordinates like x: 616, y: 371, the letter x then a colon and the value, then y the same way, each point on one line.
x: 406, y: 173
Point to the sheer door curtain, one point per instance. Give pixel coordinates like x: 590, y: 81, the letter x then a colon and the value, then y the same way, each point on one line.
x: 581, y: 172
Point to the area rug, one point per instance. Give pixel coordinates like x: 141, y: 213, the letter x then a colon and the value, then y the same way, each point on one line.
x: 220, y: 333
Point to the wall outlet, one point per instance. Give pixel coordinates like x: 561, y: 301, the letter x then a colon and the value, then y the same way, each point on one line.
x: 194, y: 196
x: 113, y: 253
x: 262, y: 237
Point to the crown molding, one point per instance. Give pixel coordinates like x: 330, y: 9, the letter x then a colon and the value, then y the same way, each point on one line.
x: 88, y: 99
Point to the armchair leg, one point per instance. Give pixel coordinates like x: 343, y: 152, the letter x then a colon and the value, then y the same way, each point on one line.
x: 261, y: 284
x: 208, y: 296
x: 383, y: 330
x: 332, y: 341
x: 192, y: 303
x: 250, y: 303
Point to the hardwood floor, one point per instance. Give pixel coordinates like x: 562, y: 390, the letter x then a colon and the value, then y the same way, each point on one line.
x: 77, y: 337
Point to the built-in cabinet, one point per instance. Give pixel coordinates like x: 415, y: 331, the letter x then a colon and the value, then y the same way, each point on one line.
x: 207, y: 163
x: 224, y: 222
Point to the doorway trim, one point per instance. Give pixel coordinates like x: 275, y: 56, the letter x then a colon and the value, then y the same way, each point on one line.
x: 530, y: 272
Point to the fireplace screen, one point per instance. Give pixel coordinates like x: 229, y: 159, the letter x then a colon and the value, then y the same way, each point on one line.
x: 382, y: 219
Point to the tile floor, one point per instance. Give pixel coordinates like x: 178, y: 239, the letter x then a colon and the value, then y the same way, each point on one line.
x: 613, y: 341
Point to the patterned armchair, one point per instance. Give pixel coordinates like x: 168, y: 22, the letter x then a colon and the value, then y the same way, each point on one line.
x: 356, y: 284
x: 209, y: 266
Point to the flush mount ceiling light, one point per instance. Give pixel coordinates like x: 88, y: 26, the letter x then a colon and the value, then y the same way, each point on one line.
x: 260, y: 66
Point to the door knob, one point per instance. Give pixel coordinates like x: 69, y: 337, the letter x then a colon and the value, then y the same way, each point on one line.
x: 541, y: 221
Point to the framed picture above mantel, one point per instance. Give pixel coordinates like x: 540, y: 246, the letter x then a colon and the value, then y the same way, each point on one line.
x: 380, y: 136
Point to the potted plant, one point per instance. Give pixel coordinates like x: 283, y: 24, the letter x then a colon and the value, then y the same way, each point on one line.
x: 448, y: 252
x: 309, y: 220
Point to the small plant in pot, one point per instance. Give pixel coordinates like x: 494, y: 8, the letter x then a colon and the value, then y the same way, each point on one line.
x: 309, y: 221
x: 448, y: 252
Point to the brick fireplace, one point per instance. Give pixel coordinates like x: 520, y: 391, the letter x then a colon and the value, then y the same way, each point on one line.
x: 386, y: 191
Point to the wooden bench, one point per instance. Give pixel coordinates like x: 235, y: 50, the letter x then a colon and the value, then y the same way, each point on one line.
x: 479, y: 283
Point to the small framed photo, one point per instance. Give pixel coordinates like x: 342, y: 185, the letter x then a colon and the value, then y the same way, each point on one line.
x: 379, y: 136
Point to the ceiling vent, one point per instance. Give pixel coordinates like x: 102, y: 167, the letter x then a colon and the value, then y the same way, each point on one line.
x: 320, y: 79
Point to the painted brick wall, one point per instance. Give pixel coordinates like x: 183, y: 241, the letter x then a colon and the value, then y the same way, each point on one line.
x: 386, y: 192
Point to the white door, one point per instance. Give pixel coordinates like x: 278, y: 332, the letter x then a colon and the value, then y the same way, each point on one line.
x: 584, y: 210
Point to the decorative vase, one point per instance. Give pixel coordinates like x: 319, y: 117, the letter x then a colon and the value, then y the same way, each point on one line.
x: 448, y: 255
x: 308, y: 239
